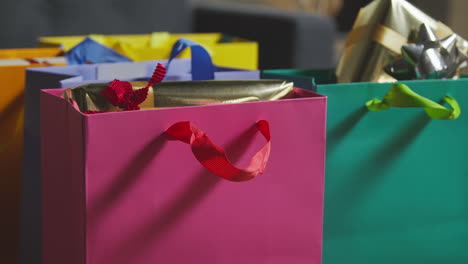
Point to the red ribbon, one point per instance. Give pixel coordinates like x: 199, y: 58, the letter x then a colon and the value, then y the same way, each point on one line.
x: 214, y: 158
x: 122, y: 95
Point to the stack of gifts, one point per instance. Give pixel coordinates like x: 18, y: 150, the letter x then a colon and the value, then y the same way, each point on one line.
x: 174, y: 148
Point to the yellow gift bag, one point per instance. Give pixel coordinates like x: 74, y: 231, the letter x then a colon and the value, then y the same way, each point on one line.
x: 13, y: 63
x: 225, y: 51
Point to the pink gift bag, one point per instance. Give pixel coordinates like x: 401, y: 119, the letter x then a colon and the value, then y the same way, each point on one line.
x: 156, y: 186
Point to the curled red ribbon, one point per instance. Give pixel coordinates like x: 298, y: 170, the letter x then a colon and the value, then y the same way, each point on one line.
x: 122, y: 95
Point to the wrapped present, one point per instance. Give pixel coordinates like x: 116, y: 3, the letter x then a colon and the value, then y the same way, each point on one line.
x: 122, y: 185
x: 225, y: 50
x: 75, y: 75
x: 380, y: 31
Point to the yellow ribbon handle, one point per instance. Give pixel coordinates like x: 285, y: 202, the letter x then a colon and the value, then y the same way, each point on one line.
x: 401, y: 95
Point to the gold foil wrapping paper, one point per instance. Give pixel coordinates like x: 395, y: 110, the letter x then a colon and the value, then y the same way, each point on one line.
x: 185, y: 93
x: 379, y: 31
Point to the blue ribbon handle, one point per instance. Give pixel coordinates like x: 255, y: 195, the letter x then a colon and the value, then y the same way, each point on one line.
x: 91, y: 51
x: 202, y: 66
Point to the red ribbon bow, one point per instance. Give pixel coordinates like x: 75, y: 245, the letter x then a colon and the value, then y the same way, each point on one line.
x: 122, y: 95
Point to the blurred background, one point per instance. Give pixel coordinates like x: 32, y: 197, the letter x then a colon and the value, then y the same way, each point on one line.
x: 291, y: 33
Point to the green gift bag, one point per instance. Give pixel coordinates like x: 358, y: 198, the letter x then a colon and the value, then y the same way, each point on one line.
x: 396, y: 177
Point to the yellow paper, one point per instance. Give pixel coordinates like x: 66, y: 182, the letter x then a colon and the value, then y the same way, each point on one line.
x: 236, y: 54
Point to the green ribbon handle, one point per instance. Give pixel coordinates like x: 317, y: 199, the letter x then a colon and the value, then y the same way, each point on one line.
x: 401, y: 95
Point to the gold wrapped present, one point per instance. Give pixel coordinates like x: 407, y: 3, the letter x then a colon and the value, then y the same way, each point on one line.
x: 379, y: 32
